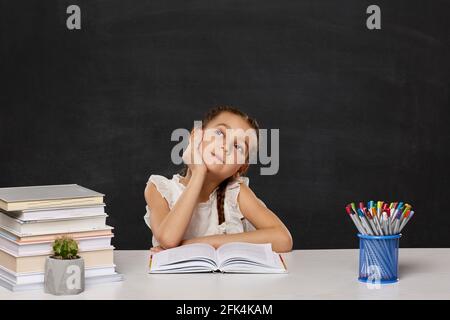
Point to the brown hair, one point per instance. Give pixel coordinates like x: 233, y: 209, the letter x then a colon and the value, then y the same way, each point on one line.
x: 210, y: 115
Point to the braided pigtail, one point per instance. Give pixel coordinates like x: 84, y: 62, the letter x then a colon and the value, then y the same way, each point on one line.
x: 221, y: 200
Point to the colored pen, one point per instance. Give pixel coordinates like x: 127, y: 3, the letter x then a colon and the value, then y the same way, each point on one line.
x: 407, y: 220
x: 353, y: 217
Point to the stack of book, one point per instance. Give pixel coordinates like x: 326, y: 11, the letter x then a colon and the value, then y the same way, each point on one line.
x: 31, y: 218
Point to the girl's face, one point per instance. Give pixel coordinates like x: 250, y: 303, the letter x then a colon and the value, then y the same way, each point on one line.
x: 227, y: 141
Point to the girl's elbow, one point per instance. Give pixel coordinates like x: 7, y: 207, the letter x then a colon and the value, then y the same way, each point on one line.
x: 290, y: 244
x: 285, y: 242
x: 167, y: 242
x: 165, y: 239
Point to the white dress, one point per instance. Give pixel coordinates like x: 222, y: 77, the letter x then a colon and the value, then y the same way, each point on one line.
x: 205, y: 220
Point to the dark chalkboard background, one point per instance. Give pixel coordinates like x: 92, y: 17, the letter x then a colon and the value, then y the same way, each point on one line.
x: 362, y: 114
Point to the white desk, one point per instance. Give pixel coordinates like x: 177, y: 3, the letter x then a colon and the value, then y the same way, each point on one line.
x: 313, y: 274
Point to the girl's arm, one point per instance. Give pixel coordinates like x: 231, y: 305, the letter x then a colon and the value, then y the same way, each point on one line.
x: 168, y: 226
x: 269, y: 227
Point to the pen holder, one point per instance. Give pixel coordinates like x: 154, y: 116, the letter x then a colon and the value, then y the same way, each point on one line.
x: 378, y: 258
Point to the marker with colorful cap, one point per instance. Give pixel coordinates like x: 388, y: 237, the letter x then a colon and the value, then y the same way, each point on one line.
x: 371, y: 222
x: 398, y: 219
x: 404, y: 218
x: 397, y: 209
x: 377, y: 221
x: 357, y: 217
x: 364, y: 222
x: 379, y: 206
x: 411, y: 213
x: 353, y: 217
x: 353, y: 206
x: 385, y: 224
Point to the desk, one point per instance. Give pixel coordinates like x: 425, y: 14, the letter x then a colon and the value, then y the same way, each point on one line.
x: 313, y: 274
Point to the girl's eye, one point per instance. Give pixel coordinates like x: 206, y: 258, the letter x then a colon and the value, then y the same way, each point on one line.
x: 219, y: 132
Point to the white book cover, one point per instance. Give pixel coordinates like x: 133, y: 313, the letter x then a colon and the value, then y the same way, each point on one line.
x: 47, y: 192
x: 51, y: 196
x: 56, y: 213
x: 45, y: 247
x: 23, y: 229
x: 52, y: 236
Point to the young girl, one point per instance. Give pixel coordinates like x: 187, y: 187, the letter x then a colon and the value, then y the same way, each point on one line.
x: 211, y: 201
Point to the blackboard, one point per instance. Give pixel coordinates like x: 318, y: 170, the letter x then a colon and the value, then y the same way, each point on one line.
x: 363, y: 114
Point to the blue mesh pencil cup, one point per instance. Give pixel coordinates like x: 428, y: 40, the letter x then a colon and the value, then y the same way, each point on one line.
x: 378, y: 258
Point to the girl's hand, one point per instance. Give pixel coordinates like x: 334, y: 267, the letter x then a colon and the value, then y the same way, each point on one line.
x: 154, y: 250
x: 193, y: 156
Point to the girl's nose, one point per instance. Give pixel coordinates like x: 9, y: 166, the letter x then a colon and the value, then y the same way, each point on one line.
x: 225, y: 148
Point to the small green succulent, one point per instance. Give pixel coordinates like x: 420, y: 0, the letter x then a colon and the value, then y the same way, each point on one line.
x: 65, y: 248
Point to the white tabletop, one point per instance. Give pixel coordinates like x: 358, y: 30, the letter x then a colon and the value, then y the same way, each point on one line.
x: 313, y: 274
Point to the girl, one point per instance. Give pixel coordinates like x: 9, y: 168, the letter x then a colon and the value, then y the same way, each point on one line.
x: 210, y: 201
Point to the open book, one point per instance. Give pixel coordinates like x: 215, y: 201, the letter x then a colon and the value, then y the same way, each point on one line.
x: 234, y: 257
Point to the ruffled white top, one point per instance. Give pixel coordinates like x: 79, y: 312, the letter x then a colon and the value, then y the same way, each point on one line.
x: 205, y: 219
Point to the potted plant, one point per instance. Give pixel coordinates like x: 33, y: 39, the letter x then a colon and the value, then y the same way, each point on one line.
x: 64, y: 270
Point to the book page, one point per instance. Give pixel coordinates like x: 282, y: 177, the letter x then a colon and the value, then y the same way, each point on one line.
x: 242, y: 251
x: 191, y: 252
